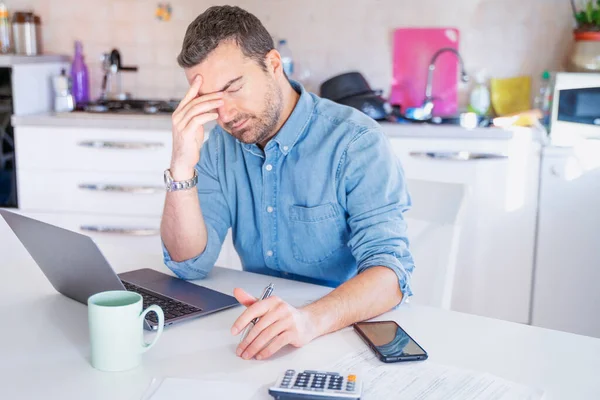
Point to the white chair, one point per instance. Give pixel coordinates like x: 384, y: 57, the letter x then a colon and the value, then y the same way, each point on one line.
x: 434, y: 232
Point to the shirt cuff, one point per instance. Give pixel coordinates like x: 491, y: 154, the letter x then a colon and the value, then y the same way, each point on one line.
x: 199, y: 266
x: 392, y: 262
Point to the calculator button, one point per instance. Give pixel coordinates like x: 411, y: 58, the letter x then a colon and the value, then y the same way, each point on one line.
x: 290, y: 372
x: 351, y: 378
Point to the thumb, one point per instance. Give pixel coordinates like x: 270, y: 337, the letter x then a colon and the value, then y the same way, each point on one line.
x: 243, y: 297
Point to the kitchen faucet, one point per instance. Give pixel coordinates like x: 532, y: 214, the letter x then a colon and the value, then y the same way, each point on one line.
x: 425, y: 111
x: 111, y: 64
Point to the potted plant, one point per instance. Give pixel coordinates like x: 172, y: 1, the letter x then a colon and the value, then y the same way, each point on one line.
x: 585, y: 55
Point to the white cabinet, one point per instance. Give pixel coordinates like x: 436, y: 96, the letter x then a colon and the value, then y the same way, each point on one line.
x: 496, y: 249
x: 566, y: 295
x: 105, y: 183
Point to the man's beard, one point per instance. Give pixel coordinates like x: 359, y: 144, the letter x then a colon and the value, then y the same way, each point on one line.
x: 259, y: 128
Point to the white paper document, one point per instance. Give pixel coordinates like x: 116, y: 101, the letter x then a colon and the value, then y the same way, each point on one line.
x: 192, y: 389
x: 426, y: 380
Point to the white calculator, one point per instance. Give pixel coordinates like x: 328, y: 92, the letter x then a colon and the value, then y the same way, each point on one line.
x: 316, y: 385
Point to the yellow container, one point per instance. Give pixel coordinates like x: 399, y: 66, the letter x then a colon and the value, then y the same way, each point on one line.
x: 511, y: 95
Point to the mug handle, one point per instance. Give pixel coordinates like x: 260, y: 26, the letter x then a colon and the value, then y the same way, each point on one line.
x: 161, y: 325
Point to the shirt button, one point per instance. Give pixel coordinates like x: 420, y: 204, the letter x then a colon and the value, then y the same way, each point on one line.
x: 285, y: 148
x: 269, y: 167
x: 270, y: 209
x: 269, y: 253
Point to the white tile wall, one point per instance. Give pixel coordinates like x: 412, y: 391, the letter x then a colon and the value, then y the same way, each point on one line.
x: 507, y: 37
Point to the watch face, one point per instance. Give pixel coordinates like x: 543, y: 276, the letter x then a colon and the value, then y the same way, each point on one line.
x: 168, y: 178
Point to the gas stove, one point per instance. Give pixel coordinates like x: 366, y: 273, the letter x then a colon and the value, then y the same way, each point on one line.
x: 136, y: 106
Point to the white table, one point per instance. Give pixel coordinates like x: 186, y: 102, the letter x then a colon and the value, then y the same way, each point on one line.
x: 44, y: 349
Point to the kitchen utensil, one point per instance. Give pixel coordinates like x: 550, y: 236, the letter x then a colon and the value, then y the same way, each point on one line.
x: 63, y: 98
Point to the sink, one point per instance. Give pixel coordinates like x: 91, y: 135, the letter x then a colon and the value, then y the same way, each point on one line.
x: 466, y: 120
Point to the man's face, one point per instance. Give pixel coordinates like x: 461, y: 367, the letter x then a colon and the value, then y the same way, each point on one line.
x: 252, y: 98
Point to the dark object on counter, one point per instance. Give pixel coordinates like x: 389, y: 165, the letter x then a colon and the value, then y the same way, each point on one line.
x: 374, y: 106
x: 345, y: 85
x: 352, y: 89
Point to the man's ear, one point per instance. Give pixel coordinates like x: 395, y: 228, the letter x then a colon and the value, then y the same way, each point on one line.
x: 273, y: 62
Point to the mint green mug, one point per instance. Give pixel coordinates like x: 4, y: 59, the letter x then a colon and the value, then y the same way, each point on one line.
x: 116, y: 325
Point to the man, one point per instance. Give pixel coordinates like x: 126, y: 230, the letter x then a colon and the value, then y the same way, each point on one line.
x: 310, y: 188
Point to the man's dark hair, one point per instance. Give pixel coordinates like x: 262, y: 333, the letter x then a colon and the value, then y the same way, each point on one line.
x: 221, y: 23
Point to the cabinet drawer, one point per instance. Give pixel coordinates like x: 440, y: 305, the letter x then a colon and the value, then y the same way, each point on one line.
x: 132, y: 243
x: 128, y: 194
x: 89, y: 149
x: 458, y: 161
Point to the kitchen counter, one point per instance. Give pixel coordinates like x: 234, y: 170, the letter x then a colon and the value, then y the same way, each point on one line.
x: 95, y: 120
x: 163, y: 122
x: 9, y: 60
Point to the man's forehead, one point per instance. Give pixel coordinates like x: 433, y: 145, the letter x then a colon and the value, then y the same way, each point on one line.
x: 223, y: 64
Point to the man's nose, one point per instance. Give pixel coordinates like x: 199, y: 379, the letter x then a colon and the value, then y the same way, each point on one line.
x: 227, y: 112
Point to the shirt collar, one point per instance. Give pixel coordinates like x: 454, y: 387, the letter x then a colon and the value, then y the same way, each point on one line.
x: 298, y: 120
x: 296, y: 123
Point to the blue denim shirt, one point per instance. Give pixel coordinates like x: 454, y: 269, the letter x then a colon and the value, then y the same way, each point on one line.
x: 323, y: 201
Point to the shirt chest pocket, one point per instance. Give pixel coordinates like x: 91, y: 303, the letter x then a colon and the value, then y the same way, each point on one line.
x: 317, y: 232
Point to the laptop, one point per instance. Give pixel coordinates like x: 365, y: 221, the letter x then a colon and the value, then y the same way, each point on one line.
x: 76, y: 268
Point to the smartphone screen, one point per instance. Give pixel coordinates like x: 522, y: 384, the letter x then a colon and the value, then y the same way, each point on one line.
x: 387, y: 338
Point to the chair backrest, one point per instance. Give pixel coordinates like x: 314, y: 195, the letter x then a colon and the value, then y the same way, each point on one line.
x: 434, y: 231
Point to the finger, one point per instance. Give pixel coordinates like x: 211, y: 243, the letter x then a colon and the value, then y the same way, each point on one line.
x: 197, y: 122
x: 180, y: 113
x: 267, y: 320
x: 265, y: 337
x: 276, y: 344
x: 200, y: 108
x: 256, y: 310
x: 243, y: 297
x: 191, y: 93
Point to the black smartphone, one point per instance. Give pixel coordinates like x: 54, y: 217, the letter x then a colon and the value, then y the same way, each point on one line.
x: 390, y: 342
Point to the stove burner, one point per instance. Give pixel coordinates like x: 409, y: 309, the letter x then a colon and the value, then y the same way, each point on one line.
x: 132, y: 106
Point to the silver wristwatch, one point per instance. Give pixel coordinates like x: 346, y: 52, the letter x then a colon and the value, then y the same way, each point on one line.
x: 173, y: 186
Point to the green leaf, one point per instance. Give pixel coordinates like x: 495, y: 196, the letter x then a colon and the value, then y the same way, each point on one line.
x: 582, y: 18
x: 596, y: 17
x: 589, y: 11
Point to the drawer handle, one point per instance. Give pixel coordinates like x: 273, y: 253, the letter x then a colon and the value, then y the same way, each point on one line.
x: 98, y: 187
x: 457, y: 155
x: 101, y: 144
x: 120, y: 231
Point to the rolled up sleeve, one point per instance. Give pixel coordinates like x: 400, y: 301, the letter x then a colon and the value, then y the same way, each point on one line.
x: 376, y: 198
x: 215, y: 211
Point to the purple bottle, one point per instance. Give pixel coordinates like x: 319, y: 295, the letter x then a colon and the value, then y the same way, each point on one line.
x: 79, y: 77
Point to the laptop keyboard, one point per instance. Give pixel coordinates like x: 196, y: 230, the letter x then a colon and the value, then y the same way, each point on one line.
x: 171, y: 308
